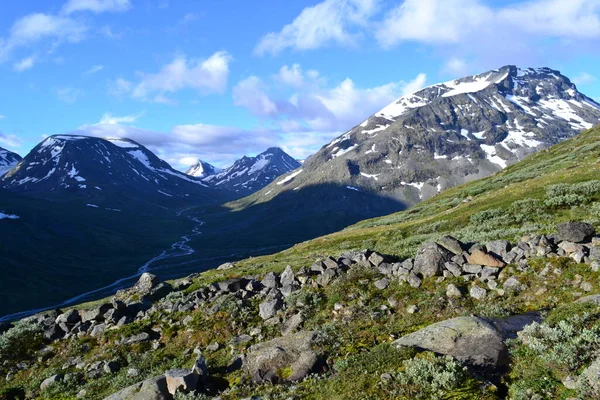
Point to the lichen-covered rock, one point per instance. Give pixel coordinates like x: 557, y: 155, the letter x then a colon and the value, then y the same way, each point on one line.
x: 469, y: 339
x: 150, y: 389
x: 573, y: 231
x: 284, y: 359
x: 430, y: 259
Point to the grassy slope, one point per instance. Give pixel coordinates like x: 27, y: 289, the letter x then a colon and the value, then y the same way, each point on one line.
x: 357, y: 349
x: 576, y: 160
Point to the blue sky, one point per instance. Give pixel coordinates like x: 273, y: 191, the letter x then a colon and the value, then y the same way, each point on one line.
x: 219, y: 79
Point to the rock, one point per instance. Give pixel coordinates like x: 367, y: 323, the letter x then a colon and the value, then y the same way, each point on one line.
x: 232, y: 285
x: 289, y: 358
x: 430, y: 259
x: 489, y: 272
x: 412, y: 309
x: 111, y: 367
x: 498, y: 247
x: 226, y: 266
x: 454, y: 268
x: 269, y: 308
x: 147, y: 288
x: 132, y: 372
x: 150, y: 389
x: 591, y: 375
x: 578, y: 257
x: 70, y: 317
x: 181, y: 380
x: 510, y: 326
x: 472, y: 268
x: 414, y: 280
x: 382, y: 283
x: 200, y: 367
x: 287, y: 277
x: 292, y: 324
x: 451, y: 244
x: 469, y: 339
x: 376, y: 259
x: 270, y: 280
x: 95, y: 314
x: 140, y: 337
x: 586, y: 286
x: 477, y: 292
x: 482, y: 258
x: 326, y: 277
x: 330, y: 263
x: 595, y: 298
x: 98, y: 330
x: 453, y: 291
x: 570, y: 247
x: 214, y: 346
x: 512, y: 285
x: 575, y: 231
x: 51, y: 381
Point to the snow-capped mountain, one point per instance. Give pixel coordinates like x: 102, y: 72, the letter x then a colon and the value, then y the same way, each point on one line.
x: 8, y: 160
x: 66, y: 167
x: 448, y: 134
x: 202, y: 169
x: 249, y: 174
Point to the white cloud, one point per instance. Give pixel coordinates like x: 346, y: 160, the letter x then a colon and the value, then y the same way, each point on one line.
x: 250, y: 93
x: 10, y: 141
x: 93, y: 70
x: 206, y: 76
x: 316, y: 106
x: 68, y: 95
x: 120, y: 87
x: 109, y: 119
x: 584, y: 79
x: 96, y: 6
x: 465, y: 21
x: 24, y: 64
x: 331, y: 21
x: 456, y: 66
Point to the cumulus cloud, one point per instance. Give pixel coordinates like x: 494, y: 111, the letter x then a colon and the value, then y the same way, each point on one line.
x: 24, y: 64
x: 206, y: 76
x: 10, y: 141
x: 109, y: 119
x: 331, y: 21
x: 96, y: 6
x: 317, y: 106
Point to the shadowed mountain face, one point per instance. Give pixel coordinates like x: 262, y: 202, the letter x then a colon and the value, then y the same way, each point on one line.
x: 447, y: 134
x: 104, y: 172
x: 8, y: 160
x: 250, y: 174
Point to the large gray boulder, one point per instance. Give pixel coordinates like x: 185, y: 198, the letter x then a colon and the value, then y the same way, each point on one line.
x: 430, y: 259
x: 285, y: 359
x: 573, y: 231
x: 150, y: 389
x: 147, y: 288
x: 469, y: 339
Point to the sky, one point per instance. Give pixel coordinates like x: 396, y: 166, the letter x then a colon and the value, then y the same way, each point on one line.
x: 218, y: 79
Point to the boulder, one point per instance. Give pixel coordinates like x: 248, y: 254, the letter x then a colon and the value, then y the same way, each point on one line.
x: 292, y: 324
x: 486, y: 259
x: 450, y: 243
x: 591, y: 375
x: 575, y: 231
x: 453, y: 291
x: 287, y: 277
x: 150, y: 389
x: 147, y: 288
x: 51, y: 381
x: 472, y: 340
x: 512, y: 285
x: 285, y: 359
x: 270, y: 280
x: 181, y: 380
x: 382, y: 283
x: 226, y: 266
x: 269, y: 308
x: 595, y: 298
x: 430, y: 259
x: 376, y: 259
x: 477, y: 292
x: 498, y: 247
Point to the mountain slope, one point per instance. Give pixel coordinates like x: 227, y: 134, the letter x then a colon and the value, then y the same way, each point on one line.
x: 113, y: 172
x: 202, y: 169
x: 8, y: 160
x: 249, y: 174
x: 448, y: 134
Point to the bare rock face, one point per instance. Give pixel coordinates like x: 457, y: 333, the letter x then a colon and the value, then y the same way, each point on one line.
x: 284, y: 359
x: 469, y: 339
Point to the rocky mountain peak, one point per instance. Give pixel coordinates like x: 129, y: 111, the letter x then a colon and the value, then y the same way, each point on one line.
x: 202, y: 169
x: 249, y: 174
x: 8, y: 160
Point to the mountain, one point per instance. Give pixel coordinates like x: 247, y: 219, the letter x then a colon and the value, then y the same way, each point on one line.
x: 448, y: 134
x: 488, y: 291
x: 202, y: 169
x: 103, y: 171
x: 249, y: 174
x: 8, y: 160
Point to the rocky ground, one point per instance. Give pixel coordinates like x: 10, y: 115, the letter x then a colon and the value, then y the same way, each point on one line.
x: 461, y: 320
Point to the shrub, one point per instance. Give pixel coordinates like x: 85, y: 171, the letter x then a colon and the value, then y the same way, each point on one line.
x: 431, y: 376
x: 22, y: 341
